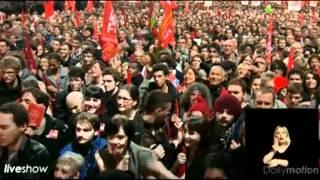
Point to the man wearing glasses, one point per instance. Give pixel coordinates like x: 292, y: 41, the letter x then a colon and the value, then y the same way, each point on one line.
x: 10, y: 84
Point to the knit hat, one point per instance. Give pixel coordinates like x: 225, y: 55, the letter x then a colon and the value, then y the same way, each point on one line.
x: 228, y: 102
x: 279, y: 83
x: 200, y: 105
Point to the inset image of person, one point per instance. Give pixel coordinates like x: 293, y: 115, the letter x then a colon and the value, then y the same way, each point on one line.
x: 280, y: 152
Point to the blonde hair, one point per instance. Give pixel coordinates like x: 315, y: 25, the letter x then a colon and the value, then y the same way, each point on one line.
x: 288, y: 140
x: 74, y: 160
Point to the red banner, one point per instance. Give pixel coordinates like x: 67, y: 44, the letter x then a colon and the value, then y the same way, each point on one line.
x: 166, y: 33
x: 269, y: 47
x: 48, y: 8
x: 108, y: 38
x: 89, y: 7
x: 290, y: 60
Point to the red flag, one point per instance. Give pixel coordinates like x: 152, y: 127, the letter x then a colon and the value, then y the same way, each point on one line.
x: 290, y: 60
x: 31, y: 63
x: 77, y: 20
x: 186, y: 8
x: 108, y: 38
x: 129, y: 77
x: 166, y: 34
x: 269, y: 47
x: 89, y: 7
x: 95, y: 31
x: 71, y: 5
x: 23, y: 18
x: 172, y: 4
x: 48, y: 8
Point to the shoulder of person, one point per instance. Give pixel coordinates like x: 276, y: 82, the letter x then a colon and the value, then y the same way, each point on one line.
x: 36, y: 147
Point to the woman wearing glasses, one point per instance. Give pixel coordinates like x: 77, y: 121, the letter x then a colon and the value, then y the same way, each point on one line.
x: 128, y: 101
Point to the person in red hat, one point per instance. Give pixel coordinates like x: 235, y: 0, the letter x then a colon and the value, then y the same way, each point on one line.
x: 225, y: 127
x: 200, y: 108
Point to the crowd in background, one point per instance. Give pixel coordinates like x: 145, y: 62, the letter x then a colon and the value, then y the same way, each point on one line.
x: 175, y: 112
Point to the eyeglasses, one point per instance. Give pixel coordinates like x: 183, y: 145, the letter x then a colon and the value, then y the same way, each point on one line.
x: 123, y: 98
x: 8, y: 72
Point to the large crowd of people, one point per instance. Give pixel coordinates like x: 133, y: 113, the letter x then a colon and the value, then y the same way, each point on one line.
x: 150, y: 112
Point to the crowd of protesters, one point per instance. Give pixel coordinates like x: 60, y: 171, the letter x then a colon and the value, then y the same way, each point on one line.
x: 175, y: 112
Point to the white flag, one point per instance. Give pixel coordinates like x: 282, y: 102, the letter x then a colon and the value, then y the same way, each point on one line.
x: 255, y: 3
x: 295, y: 5
x: 244, y: 2
x: 313, y: 3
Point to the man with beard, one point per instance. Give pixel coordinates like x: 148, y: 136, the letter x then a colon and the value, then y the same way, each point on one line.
x: 224, y: 129
x: 86, y: 143
x: 150, y: 128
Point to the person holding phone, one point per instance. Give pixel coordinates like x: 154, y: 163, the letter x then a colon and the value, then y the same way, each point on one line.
x: 278, y: 156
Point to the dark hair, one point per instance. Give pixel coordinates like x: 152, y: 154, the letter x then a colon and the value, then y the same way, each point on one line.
x: 313, y: 56
x: 280, y: 66
x: 239, y: 82
x: 76, y: 72
x: 315, y: 76
x: 168, y: 59
x: 67, y: 44
x: 77, y: 37
x: 90, y: 50
x: 160, y: 67
x: 19, y: 113
x: 195, y: 124
x: 55, y: 56
x: 112, y: 72
x: 295, y: 71
x: 215, y: 46
x: 118, y: 121
x: 156, y: 99
x: 133, y: 91
x: 5, y: 41
x: 31, y: 83
x: 93, y: 91
x: 39, y: 96
x: 295, y: 88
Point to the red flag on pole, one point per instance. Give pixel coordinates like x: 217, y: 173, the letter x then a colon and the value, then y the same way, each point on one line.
x: 269, y: 47
x: 129, y: 77
x: 31, y: 63
x: 166, y: 34
x: 71, y: 5
x: 290, y: 60
x: 77, y: 20
x: 108, y: 38
x: 23, y: 18
x: 95, y: 31
x: 89, y: 7
x: 48, y: 8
